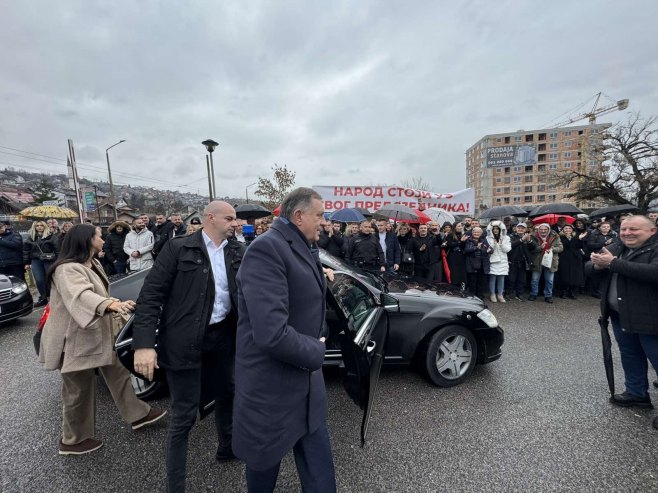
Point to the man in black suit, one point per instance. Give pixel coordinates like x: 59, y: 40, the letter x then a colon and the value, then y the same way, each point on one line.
x: 194, y: 281
x: 280, y: 399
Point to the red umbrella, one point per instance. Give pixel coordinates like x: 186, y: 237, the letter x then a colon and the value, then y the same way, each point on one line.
x: 277, y: 211
x: 553, y: 219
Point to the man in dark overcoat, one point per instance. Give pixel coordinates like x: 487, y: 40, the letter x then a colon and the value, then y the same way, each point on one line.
x: 280, y: 400
x: 191, y: 295
x: 629, y: 290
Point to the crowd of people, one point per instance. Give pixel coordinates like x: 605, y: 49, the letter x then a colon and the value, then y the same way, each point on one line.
x: 508, y: 259
x: 505, y: 260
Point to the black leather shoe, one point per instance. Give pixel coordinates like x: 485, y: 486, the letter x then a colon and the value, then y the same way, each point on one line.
x: 224, y: 454
x: 630, y: 400
x: 532, y: 297
x: 41, y: 302
x: 548, y: 300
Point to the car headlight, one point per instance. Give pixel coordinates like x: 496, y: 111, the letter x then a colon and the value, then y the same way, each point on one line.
x: 19, y: 288
x: 488, y: 318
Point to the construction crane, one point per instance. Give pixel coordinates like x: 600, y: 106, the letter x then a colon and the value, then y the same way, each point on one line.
x: 591, y: 115
x: 587, y: 144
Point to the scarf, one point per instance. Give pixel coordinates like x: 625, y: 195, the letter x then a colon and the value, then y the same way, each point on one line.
x: 545, y: 242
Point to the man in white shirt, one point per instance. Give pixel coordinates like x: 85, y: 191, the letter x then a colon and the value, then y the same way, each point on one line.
x: 193, y: 280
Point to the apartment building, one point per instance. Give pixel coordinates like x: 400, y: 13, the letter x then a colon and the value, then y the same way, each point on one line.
x: 521, y: 167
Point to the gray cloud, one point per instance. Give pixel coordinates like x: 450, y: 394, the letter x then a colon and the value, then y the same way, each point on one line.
x: 343, y: 93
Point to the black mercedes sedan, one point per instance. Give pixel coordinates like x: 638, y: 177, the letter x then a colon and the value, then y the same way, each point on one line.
x: 15, y: 298
x: 439, y: 328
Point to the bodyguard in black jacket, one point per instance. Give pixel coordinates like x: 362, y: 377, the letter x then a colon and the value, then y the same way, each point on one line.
x: 191, y: 291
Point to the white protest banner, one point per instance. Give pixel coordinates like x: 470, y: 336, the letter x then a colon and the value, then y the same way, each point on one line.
x: 376, y: 197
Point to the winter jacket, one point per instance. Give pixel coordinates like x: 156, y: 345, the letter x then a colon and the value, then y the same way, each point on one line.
x: 332, y: 244
x: 114, y: 242
x: 571, y: 269
x: 499, y: 265
x: 364, y: 250
x: 182, y: 283
x: 637, y: 286
x: 33, y: 248
x: 476, y: 256
x: 141, y: 242
x: 11, y: 249
x: 538, y: 252
x: 456, y: 259
x: 596, y: 240
x: 78, y: 333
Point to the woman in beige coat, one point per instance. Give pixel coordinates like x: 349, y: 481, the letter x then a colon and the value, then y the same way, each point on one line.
x: 78, y: 339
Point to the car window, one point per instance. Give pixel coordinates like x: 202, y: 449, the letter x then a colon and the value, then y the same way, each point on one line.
x: 368, y: 277
x: 354, y: 299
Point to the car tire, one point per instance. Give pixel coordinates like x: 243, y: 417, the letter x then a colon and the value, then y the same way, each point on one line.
x: 451, y: 356
x: 146, y: 390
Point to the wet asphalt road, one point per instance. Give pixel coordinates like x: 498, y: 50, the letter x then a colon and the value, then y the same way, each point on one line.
x: 536, y: 420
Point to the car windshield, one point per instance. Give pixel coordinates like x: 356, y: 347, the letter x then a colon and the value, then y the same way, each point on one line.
x: 355, y: 300
x: 369, y: 278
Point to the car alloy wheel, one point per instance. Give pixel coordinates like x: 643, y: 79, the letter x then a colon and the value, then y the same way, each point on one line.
x: 451, y: 356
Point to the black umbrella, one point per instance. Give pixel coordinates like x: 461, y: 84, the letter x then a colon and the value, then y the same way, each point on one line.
x: 607, y: 354
x: 502, y: 211
x: 251, y: 211
x: 614, y: 210
x: 568, y: 209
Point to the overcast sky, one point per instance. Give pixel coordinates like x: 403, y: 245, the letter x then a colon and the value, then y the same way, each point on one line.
x: 343, y: 92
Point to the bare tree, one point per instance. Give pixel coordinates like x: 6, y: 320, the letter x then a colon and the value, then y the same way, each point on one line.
x: 274, y: 190
x: 417, y: 183
x: 629, y: 174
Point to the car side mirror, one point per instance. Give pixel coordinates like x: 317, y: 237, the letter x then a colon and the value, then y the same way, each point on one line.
x: 390, y: 303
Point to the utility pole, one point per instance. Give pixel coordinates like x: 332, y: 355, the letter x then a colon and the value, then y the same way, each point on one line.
x: 109, y: 173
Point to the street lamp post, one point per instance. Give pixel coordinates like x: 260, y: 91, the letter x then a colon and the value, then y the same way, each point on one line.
x: 246, y: 190
x: 109, y: 173
x: 210, y: 147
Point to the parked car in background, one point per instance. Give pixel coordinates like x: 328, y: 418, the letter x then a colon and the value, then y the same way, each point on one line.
x: 15, y: 298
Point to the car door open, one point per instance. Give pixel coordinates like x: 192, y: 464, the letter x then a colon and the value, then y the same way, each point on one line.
x: 363, y: 341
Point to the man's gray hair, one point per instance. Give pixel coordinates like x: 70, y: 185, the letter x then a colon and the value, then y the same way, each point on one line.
x: 299, y: 199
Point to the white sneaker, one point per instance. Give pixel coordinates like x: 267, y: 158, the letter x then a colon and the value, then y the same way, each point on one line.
x: 501, y: 298
x: 493, y: 298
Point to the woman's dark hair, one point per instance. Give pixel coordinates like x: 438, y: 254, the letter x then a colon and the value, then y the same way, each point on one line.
x: 75, y: 247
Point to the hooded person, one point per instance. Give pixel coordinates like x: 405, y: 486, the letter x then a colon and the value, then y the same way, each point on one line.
x: 113, y: 248
x: 500, y: 246
x: 545, y: 243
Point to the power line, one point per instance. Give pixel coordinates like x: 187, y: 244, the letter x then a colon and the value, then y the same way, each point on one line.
x: 86, y: 166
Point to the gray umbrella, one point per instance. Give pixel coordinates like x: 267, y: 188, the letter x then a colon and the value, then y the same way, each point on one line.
x: 614, y: 210
x: 568, y: 209
x: 398, y: 212
x: 251, y: 211
x: 503, y: 211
